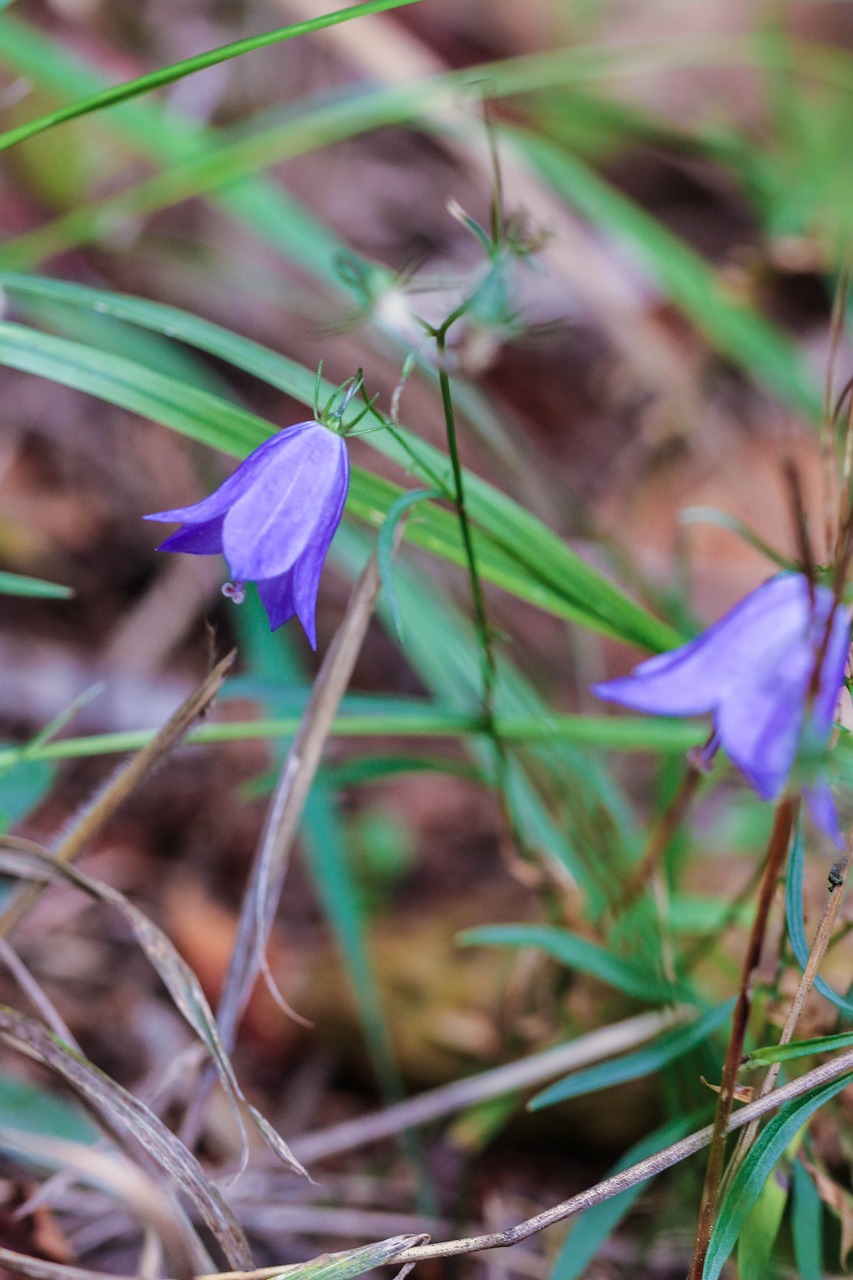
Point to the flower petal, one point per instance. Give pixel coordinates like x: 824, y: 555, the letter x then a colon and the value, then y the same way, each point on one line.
x: 232, y: 489
x: 296, y: 590
x: 277, y: 597
x: 697, y: 677
x: 287, y: 504
x: 760, y: 720
x: 196, y: 539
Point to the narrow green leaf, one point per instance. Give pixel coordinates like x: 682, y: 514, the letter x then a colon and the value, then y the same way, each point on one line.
x: 634, y: 1066
x: 440, y: 646
x: 275, y: 663
x: 376, y: 768
x: 15, y: 584
x: 626, y: 734
x: 576, y: 953
x: 807, y: 1224
x: 176, y: 71
x: 798, y: 1049
x: 385, y: 547
x: 745, y: 1187
x: 761, y: 1228
x: 23, y: 786
x: 25, y: 1106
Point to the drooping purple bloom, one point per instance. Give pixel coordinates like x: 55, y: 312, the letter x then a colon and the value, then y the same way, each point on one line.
x: 754, y: 672
x: 273, y: 520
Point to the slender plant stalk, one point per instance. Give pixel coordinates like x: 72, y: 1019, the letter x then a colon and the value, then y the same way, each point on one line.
x: 774, y: 861
x: 93, y: 815
x: 821, y: 941
x: 288, y: 801
x: 481, y: 620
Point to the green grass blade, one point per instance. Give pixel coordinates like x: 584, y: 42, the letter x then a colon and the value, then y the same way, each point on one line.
x: 514, y: 545
x: 798, y: 1049
x: 263, y: 206
x: 177, y: 70
x: 16, y: 584
x: 575, y: 953
x: 762, y: 1158
x: 350, y: 1263
x: 634, y: 1066
x: 806, y: 1224
x: 27, y: 1106
x: 419, y: 722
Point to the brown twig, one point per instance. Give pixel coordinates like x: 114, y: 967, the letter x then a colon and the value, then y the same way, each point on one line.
x: 776, y: 851
x: 626, y: 1178
x: 822, y: 937
x: 271, y: 860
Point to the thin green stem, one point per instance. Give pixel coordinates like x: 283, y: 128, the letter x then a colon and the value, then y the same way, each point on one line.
x: 481, y: 620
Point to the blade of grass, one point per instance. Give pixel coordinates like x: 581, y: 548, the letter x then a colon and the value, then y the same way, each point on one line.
x: 26, y: 860
x: 176, y: 71
x: 798, y: 1049
x: 126, y: 1118
x: 89, y: 820
x: 627, y: 733
x: 273, y: 658
x: 122, y: 1180
x: 439, y: 645
x: 515, y: 535
x: 16, y: 584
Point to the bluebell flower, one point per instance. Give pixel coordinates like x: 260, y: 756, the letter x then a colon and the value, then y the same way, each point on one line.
x: 273, y: 520
x: 754, y: 672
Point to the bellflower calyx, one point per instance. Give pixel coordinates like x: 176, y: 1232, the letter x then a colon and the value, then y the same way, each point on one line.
x: 754, y: 671
x: 273, y: 520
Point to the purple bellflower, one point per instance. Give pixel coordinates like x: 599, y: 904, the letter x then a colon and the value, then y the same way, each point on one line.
x: 273, y: 520
x: 754, y: 672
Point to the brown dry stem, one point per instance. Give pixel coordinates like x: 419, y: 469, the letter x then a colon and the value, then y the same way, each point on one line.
x: 774, y: 861
x: 285, y: 811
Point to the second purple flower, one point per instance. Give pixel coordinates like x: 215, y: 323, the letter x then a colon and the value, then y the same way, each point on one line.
x: 274, y: 519
x: 754, y: 672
